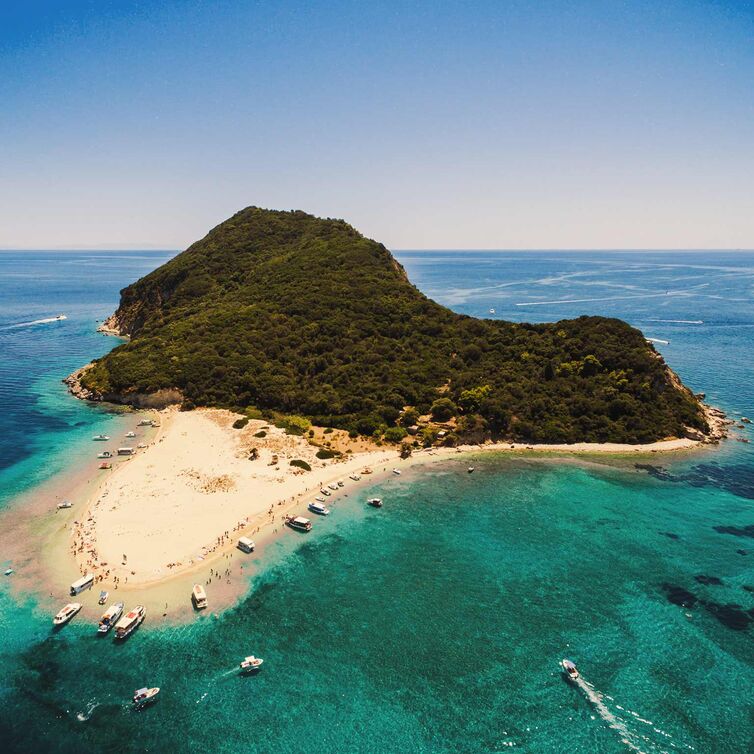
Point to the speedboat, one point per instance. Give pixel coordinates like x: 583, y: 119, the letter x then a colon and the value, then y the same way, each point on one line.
x: 105, y: 454
x: 320, y: 499
x: 492, y: 311
x: 325, y: 492
x: 319, y: 509
x: 145, y: 696
x: 470, y: 469
x: 251, y: 664
x: 64, y: 504
x: 299, y: 523
x: 570, y: 669
x: 101, y: 437
x: 103, y: 595
x: 66, y: 613
x: 397, y: 472
x: 105, y: 465
x: 8, y: 572
x: 341, y: 483
x: 60, y: 317
x: 355, y: 477
x: 333, y: 486
x: 375, y: 502
x: 110, y: 617
x: 130, y: 434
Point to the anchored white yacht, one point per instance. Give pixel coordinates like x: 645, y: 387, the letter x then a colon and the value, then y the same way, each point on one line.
x: 66, y: 613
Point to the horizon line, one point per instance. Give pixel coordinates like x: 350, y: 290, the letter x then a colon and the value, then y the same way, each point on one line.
x: 71, y: 249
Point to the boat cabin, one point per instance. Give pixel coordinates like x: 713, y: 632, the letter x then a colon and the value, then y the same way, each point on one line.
x: 199, y: 597
x: 125, y: 451
x: 245, y: 544
x: 299, y: 523
x: 85, y: 582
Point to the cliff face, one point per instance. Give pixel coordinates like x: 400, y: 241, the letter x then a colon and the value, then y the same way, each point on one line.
x: 284, y: 311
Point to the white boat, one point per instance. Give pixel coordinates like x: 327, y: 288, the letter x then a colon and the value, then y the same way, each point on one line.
x: 492, y: 311
x: 101, y: 438
x: 103, y: 595
x: 397, y: 472
x: 145, y: 423
x: 570, y: 669
x: 66, y: 613
x: 375, y: 502
x: 320, y: 499
x: 325, y: 492
x: 130, y: 622
x: 9, y: 572
x: 130, y: 434
x: 333, y: 486
x: 470, y: 469
x: 319, y: 509
x: 145, y: 696
x: 250, y: 664
x: 199, y: 597
x: 110, y: 617
x: 65, y: 504
x: 105, y: 454
x: 85, y: 582
x: 125, y: 451
x: 355, y: 477
x: 245, y: 544
x: 60, y: 318
x: 299, y: 523
x: 341, y: 483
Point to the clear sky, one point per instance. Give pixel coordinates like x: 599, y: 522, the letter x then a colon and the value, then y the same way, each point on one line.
x: 506, y: 124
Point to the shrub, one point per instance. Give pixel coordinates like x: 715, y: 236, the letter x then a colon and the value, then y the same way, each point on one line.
x: 261, y: 433
x: 240, y: 423
x: 328, y: 430
x: 325, y: 453
x: 301, y: 464
x: 394, y: 434
x: 443, y: 409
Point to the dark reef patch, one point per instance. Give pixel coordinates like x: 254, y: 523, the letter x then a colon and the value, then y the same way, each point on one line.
x: 748, y: 588
x: 742, y: 552
x: 670, y: 535
x: 737, y: 479
x: 677, y: 595
x: 709, y: 580
x: 731, y: 615
x: 736, y: 531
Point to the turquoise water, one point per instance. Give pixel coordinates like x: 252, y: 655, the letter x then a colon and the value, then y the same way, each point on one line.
x: 436, y: 624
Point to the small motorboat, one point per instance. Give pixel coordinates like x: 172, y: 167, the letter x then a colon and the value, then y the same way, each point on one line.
x: 333, y: 486
x: 251, y: 664
x: 492, y: 311
x: 66, y: 613
x: 341, y: 483
x: 101, y: 438
x: 325, y: 492
x: 60, y: 318
x: 110, y: 617
x: 65, y: 504
x: 366, y: 470
x: 105, y: 465
x: 103, y: 595
x: 570, y: 669
x: 397, y: 472
x: 145, y: 696
x: 9, y: 572
x: 470, y: 469
x: 320, y: 499
x: 105, y: 454
x: 375, y: 502
x: 299, y: 523
x: 319, y: 509
x: 355, y: 477
x: 130, y: 434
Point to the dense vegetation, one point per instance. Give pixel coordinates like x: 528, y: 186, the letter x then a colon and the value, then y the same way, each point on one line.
x: 286, y: 312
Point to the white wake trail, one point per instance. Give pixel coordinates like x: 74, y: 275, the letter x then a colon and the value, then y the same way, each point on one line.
x: 33, y: 322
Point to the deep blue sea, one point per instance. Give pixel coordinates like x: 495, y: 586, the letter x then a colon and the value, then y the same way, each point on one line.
x: 437, y: 623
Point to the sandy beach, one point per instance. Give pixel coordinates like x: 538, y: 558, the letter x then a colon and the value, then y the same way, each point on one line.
x: 171, y: 514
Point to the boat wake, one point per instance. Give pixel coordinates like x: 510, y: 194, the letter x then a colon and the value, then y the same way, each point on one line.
x: 634, y: 739
x: 680, y: 321
x: 35, y: 322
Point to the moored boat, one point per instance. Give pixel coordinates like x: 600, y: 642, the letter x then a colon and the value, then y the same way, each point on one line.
x: 396, y: 472
x: 470, y: 469
x: 66, y: 613
x: 245, y: 544
x: 103, y: 595
x: 333, y: 486
x: 325, y: 492
x: 105, y: 465
x: 570, y: 669
x: 110, y: 617
x: 299, y: 523
x: 375, y: 502
x: 130, y: 622
x: 65, y: 504
x: 145, y: 696
x: 319, y: 509
x: 251, y: 664
x: 199, y: 597
x: 101, y: 438
x: 320, y: 499
x: 85, y: 582
x: 355, y: 477
x: 131, y: 434
x: 105, y: 454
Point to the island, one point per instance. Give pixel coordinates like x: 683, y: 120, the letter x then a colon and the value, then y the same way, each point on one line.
x: 282, y: 314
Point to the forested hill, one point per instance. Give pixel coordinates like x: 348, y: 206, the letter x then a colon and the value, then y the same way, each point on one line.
x: 290, y: 313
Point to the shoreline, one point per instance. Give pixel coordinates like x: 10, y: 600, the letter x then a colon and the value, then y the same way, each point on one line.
x: 88, y: 538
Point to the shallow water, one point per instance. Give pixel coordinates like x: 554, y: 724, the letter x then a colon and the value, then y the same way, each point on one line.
x: 435, y: 624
